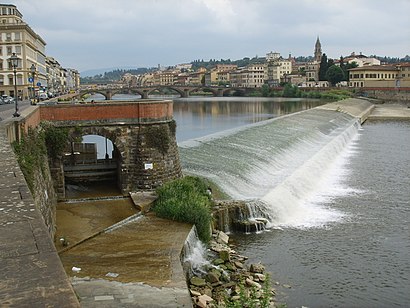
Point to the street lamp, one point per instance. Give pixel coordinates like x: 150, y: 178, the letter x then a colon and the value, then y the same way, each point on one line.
x: 14, y: 61
x: 33, y: 93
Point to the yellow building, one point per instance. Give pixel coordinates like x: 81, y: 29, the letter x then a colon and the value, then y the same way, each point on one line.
x: 382, y: 76
x: 16, y: 37
x: 277, y: 68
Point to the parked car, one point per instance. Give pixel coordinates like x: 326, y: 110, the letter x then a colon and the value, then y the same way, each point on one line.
x: 42, y: 96
x: 7, y: 99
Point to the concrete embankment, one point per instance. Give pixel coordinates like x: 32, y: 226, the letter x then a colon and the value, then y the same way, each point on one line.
x: 390, y: 112
x: 358, y: 108
x: 365, y: 109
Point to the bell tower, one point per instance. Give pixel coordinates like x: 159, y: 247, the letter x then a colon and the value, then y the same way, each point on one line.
x: 318, y: 50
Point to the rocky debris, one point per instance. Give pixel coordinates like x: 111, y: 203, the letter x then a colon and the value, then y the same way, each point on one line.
x: 257, y: 268
x: 229, y: 280
x: 235, y: 215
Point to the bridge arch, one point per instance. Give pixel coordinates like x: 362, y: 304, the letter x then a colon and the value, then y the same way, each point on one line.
x: 83, y: 93
x: 179, y: 91
x: 204, y: 89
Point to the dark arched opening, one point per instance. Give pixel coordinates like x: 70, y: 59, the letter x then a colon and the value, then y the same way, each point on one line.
x: 91, y: 168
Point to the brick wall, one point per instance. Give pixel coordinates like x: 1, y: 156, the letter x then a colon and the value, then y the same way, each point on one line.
x: 141, y: 111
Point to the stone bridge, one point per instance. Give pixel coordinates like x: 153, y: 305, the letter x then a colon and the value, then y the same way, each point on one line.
x: 145, y: 152
x: 183, y: 91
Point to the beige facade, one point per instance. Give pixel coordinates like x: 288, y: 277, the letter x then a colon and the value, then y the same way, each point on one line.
x: 256, y: 75
x: 375, y: 76
x: 277, y: 68
x: 17, y: 37
x: 164, y: 78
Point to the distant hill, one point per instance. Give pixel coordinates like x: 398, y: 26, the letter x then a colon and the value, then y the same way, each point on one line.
x: 101, y: 71
x: 109, y: 75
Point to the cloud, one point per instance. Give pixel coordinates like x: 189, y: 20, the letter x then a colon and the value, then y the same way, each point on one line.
x: 105, y: 33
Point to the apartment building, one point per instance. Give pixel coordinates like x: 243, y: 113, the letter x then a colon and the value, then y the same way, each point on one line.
x: 277, y: 68
x: 165, y: 78
x: 16, y: 37
x: 383, y: 76
x: 256, y: 75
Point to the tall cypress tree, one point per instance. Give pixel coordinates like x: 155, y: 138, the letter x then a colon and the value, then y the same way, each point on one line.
x: 323, y: 68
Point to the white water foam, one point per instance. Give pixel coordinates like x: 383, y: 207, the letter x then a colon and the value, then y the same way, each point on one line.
x: 301, y: 200
x: 195, y: 254
x: 288, y: 169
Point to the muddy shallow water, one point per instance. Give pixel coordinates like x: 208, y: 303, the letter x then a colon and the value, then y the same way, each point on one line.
x: 141, y: 250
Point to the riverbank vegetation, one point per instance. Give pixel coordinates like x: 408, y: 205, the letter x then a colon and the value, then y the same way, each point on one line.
x: 37, y: 146
x: 294, y: 91
x: 186, y: 200
x: 31, y: 154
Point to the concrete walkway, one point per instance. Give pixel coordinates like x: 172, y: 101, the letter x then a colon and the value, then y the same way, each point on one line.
x: 136, y: 264
x: 358, y: 108
x: 31, y: 274
x: 390, y: 111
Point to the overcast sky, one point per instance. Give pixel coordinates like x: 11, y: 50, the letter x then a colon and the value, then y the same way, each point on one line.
x: 93, y: 34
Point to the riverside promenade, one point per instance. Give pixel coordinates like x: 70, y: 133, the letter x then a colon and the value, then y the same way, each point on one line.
x: 31, y: 273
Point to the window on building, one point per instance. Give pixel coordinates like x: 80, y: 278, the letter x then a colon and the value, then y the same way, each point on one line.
x: 17, y: 36
x: 18, y: 50
x: 8, y: 36
x: 9, y: 50
x: 1, y: 65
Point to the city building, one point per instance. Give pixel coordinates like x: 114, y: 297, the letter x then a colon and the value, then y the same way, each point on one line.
x: 312, y: 67
x: 35, y: 71
x: 380, y: 76
x: 16, y: 37
x: 277, y: 68
x: 361, y: 60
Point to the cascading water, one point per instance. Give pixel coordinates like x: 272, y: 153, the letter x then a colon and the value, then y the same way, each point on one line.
x: 280, y: 166
x: 194, y: 256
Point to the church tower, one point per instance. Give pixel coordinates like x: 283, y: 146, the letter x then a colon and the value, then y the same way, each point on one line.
x: 318, y: 50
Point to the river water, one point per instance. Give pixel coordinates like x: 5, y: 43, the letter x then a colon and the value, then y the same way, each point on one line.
x: 336, y: 194
x: 337, y: 197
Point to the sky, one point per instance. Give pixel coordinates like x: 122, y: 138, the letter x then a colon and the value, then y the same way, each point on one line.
x: 96, y: 34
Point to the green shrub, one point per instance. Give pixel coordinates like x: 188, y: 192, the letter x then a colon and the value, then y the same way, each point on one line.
x: 31, y: 154
x: 56, y: 138
x: 186, y: 200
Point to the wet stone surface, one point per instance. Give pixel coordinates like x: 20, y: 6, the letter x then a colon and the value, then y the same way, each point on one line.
x: 135, y: 264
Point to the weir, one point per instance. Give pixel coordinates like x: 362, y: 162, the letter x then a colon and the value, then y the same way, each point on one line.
x: 278, y: 166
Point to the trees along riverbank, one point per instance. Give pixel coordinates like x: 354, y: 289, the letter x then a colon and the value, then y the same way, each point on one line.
x: 226, y: 281
x: 294, y: 91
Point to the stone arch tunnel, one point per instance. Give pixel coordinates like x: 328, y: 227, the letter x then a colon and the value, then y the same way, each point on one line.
x: 141, y: 160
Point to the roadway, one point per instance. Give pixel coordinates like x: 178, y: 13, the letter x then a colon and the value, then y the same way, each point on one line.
x: 7, y: 110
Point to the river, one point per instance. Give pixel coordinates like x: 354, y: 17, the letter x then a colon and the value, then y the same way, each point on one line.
x: 336, y: 193
x: 337, y: 196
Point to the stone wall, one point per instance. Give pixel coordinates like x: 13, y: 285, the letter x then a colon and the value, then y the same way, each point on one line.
x: 45, y: 197
x: 396, y: 95
x: 165, y: 166
x: 43, y: 193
